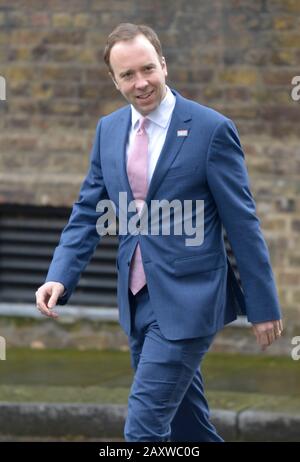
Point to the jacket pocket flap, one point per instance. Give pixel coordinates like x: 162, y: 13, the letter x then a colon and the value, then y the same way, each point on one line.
x: 182, y: 171
x: 199, y: 263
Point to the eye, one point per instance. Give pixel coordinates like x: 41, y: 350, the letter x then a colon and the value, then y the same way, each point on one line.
x: 127, y: 76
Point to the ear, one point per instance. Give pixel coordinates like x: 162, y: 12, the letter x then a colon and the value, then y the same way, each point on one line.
x: 164, y: 65
x: 114, y: 80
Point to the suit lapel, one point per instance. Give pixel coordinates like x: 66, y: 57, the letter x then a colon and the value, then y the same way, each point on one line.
x: 181, y: 120
x: 120, y: 142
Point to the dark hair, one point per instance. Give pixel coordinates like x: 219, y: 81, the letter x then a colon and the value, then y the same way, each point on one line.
x: 127, y: 31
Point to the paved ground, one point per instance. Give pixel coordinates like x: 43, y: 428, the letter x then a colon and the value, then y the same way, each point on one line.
x: 69, y: 395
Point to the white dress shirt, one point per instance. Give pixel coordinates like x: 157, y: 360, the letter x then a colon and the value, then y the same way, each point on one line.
x: 157, y: 129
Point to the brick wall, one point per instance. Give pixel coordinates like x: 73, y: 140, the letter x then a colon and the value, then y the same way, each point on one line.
x: 236, y: 56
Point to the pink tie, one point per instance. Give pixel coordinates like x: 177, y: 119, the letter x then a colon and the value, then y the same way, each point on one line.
x: 137, y: 167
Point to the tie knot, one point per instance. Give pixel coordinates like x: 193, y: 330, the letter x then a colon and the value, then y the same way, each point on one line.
x: 142, y: 125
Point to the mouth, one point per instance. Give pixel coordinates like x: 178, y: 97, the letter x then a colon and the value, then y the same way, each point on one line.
x: 145, y: 96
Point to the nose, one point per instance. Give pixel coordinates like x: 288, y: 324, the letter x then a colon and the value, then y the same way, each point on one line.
x: 141, y: 83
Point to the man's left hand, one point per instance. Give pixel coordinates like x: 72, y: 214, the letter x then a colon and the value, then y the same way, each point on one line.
x: 267, y: 332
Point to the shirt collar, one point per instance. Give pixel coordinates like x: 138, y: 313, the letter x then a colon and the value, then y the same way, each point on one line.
x: 161, y: 115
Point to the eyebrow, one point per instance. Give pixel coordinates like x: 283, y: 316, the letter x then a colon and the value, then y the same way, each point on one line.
x: 130, y: 71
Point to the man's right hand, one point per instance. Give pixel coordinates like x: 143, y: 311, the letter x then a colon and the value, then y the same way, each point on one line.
x: 47, y: 296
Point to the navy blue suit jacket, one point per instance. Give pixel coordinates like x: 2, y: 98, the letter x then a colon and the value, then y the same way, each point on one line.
x: 193, y: 289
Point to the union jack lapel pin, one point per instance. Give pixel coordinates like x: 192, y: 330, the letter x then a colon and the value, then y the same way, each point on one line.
x: 182, y: 132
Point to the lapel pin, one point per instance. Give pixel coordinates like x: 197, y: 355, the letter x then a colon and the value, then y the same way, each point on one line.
x: 182, y: 132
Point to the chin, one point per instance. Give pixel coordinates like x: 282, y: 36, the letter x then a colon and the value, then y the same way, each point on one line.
x: 149, y: 108
x: 144, y: 110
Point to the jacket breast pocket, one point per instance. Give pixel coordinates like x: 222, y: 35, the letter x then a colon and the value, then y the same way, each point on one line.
x: 199, y: 263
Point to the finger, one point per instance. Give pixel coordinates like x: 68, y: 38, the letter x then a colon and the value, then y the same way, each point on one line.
x: 271, y: 336
x: 278, y: 327
x: 44, y: 310
x: 263, y: 340
x: 47, y: 312
x: 53, y: 299
x: 42, y: 307
x: 277, y: 330
x: 259, y: 334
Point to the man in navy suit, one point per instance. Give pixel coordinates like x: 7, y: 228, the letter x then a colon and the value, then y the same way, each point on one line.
x: 189, y: 291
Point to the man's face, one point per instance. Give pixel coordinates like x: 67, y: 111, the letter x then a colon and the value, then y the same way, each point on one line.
x: 138, y: 73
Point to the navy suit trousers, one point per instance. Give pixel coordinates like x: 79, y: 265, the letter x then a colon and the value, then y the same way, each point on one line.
x: 166, y: 401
